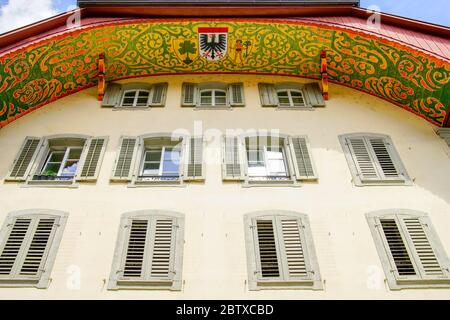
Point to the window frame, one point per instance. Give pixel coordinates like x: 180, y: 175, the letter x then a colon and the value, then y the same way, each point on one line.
x: 396, y: 281
x: 313, y: 282
x: 136, y: 91
x: 213, y: 98
x: 121, y: 245
x: 393, y: 153
x: 43, y: 281
x: 289, y: 91
x: 161, y: 161
x: 63, y: 161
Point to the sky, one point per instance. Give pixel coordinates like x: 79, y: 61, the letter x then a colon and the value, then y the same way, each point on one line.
x: 18, y: 13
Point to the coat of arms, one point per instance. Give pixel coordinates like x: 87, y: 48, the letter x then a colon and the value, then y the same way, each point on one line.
x: 213, y: 43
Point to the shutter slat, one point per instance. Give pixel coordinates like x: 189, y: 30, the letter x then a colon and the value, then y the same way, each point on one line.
x: 231, y: 166
x: 303, y: 159
x: 124, y: 162
x: 24, y: 159
x: 92, y: 162
x: 195, y: 161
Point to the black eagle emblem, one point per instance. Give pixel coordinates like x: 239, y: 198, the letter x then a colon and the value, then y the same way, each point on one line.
x: 214, y: 45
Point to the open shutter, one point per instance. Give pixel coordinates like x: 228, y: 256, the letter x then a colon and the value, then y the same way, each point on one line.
x: 195, y: 167
x: 124, y: 165
x: 314, y: 94
x: 362, y: 158
x: 90, y: 163
x: 236, y: 95
x: 232, y: 167
x: 159, y: 93
x: 112, y: 96
x: 24, y: 160
x: 302, y: 158
x: 189, y: 95
x: 268, y: 95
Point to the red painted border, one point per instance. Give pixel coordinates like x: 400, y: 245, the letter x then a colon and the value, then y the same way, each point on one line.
x: 212, y: 30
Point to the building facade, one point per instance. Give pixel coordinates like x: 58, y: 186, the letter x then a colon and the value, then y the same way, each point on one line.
x: 297, y: 157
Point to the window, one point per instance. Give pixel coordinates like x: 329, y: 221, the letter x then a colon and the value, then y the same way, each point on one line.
x: 135, y: 95
x: 373, y: 160
x: 29, y: 241
x: 261, y: 159
x: 444, y: 133
x: 290, y: 98
x: 135, y: 98
x: 60, y: 159
x: 159, y: 158
x: 214, y: 95
x: 213, y: 98
x: 291, y: 95
x: 149, y: 251
x: 409, y: 249
x: 280, y: 251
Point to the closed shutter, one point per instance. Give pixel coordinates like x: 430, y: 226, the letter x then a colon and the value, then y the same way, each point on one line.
x: 386, y: 166
x: 24, y: 160
x: 314, y: 95
x: 410, y: 249
x: 232, y: 168
x: 268, y: 95
x: 195, y: 165
x: 112, y: 96
x: 150, y: 252
x: 362, y: 158
x: 92, y: 161
x: 236, y: 94
x: 159, y: 93
x: 284, y: 251
x: 124, y: 165
x: 25, y: 250
x: 189, y: 95
x: 302, y: 158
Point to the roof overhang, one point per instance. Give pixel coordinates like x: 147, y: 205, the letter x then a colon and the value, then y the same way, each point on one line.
x: 407, y: 63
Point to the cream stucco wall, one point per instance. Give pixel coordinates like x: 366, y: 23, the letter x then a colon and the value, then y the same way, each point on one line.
x: 214, y: 254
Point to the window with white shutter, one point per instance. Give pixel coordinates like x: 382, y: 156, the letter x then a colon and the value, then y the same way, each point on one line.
x: 135, y: 95
x: 262, y: 159
x: 280, y: 251
x: 159, y: 159
x: 373, y: 160
x: 58, y: 160
x: 291, y: 95
x: 409, y: 248
x: 149, y: 251
x: 212, y: 95
x: 29, y: 241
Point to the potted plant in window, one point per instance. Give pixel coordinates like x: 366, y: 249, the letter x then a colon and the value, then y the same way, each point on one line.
x: 48, y: 175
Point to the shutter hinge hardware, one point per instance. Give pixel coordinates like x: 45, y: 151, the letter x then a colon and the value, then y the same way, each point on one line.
x: 257, y: 271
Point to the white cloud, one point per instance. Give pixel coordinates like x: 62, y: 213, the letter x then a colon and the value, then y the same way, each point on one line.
x: 19, y: 13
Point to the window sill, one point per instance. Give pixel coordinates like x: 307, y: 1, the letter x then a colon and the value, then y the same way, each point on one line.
x: 155, y: 182
x: 51, y: 183
x: 306, y: 108
x: 146, y: 285
x: 131, y: 108
x: 270, y: 183
x: 381, y: 183
x: 19, y: 283
x: 226, y: 108
x: 286, y: 285
x: 418, y: 284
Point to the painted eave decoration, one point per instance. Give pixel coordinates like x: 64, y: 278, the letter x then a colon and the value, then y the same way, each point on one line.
x: 43, y: 69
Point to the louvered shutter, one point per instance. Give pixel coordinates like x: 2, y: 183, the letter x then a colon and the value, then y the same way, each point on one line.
x: 314, y: 95
x: 385, y: 164
x: 410, y: 249
x: 24, y: 160
x: 112, y: 96
x: 284, y: 251
x: 268, y: 95
x: 124, y: 165
x: 159, y: 93
x: 302, y: 158
x: 362, y: 158
x: 151, y: 252
x: 236, y: 94
x: 24, y: 254
x: 232, y: 168
x: 189, y: 95
x: 91, y: 160
x: 195, y: 167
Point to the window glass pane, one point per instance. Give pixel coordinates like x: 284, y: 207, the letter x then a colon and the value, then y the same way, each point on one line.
x: 206, y: 97
x: 153, y: 155
x: 56, y: 156
x: 150, y: 168
x: 142, y: 100
x: 51, y: 169
x: 171, y: 162
x: 283, y: 98
x: 70, y: 168
x: 128, y: 98
x: 297, y: 98
x: 75, y: 154
x: 276, y: 167
x: 220, y: 98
